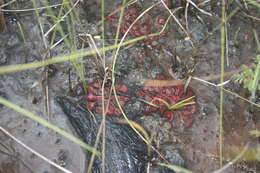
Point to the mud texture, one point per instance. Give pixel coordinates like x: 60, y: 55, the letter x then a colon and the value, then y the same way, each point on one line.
x: 170, y: 54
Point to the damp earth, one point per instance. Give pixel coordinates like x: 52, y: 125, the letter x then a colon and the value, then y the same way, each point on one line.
x: 176, y: 53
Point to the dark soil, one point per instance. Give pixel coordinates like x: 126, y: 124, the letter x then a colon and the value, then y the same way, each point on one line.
x: 195, y: 147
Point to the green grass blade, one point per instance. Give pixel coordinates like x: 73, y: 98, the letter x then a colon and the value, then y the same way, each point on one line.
x: 222, y: 70
x: 149, y: 103
x: 164, y: 102
x: 44, y: 122
x: 254, y: 132
x: 177, y: 106
x: 70, y: 56
x: 255, y: 82
x: 182, y: 103
x: 254, y: 2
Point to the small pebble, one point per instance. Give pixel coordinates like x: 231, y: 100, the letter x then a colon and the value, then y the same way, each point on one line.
x: 207, y: 110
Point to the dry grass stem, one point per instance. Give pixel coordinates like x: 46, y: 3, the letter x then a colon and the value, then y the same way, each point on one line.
x: 62, y: 18
x: 29, y: 9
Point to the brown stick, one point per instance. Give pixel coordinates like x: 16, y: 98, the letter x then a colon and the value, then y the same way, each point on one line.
x: 2, y: 18
x: 161, y: 83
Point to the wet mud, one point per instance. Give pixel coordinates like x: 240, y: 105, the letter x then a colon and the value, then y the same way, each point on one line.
x: 195, y: 147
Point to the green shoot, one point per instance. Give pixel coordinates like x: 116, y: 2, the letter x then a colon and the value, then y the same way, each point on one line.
x: 250, y: 77
x: 149, y: 103
x: 163, y: 101
x: 182, y: 103
x: 175, y: 106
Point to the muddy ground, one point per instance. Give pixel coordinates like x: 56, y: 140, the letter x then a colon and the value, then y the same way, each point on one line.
x: 195, y: 147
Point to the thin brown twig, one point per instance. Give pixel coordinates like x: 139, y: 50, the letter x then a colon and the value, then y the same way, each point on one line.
x: 103, y: 122
x: 232, y: 93
x: 178, y: 22
x: 6, y: 4
x: 30, y: 9
x: 252, y: 17
x: 161, y: 83
x: 95, y: 146
x: 114, y: 64
x: 2, y: 18
x: 113, y: 80
x: 229, y: 73
x: 62, y: 18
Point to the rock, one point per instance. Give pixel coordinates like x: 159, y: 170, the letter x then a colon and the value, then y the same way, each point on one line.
x: 125, y: 150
